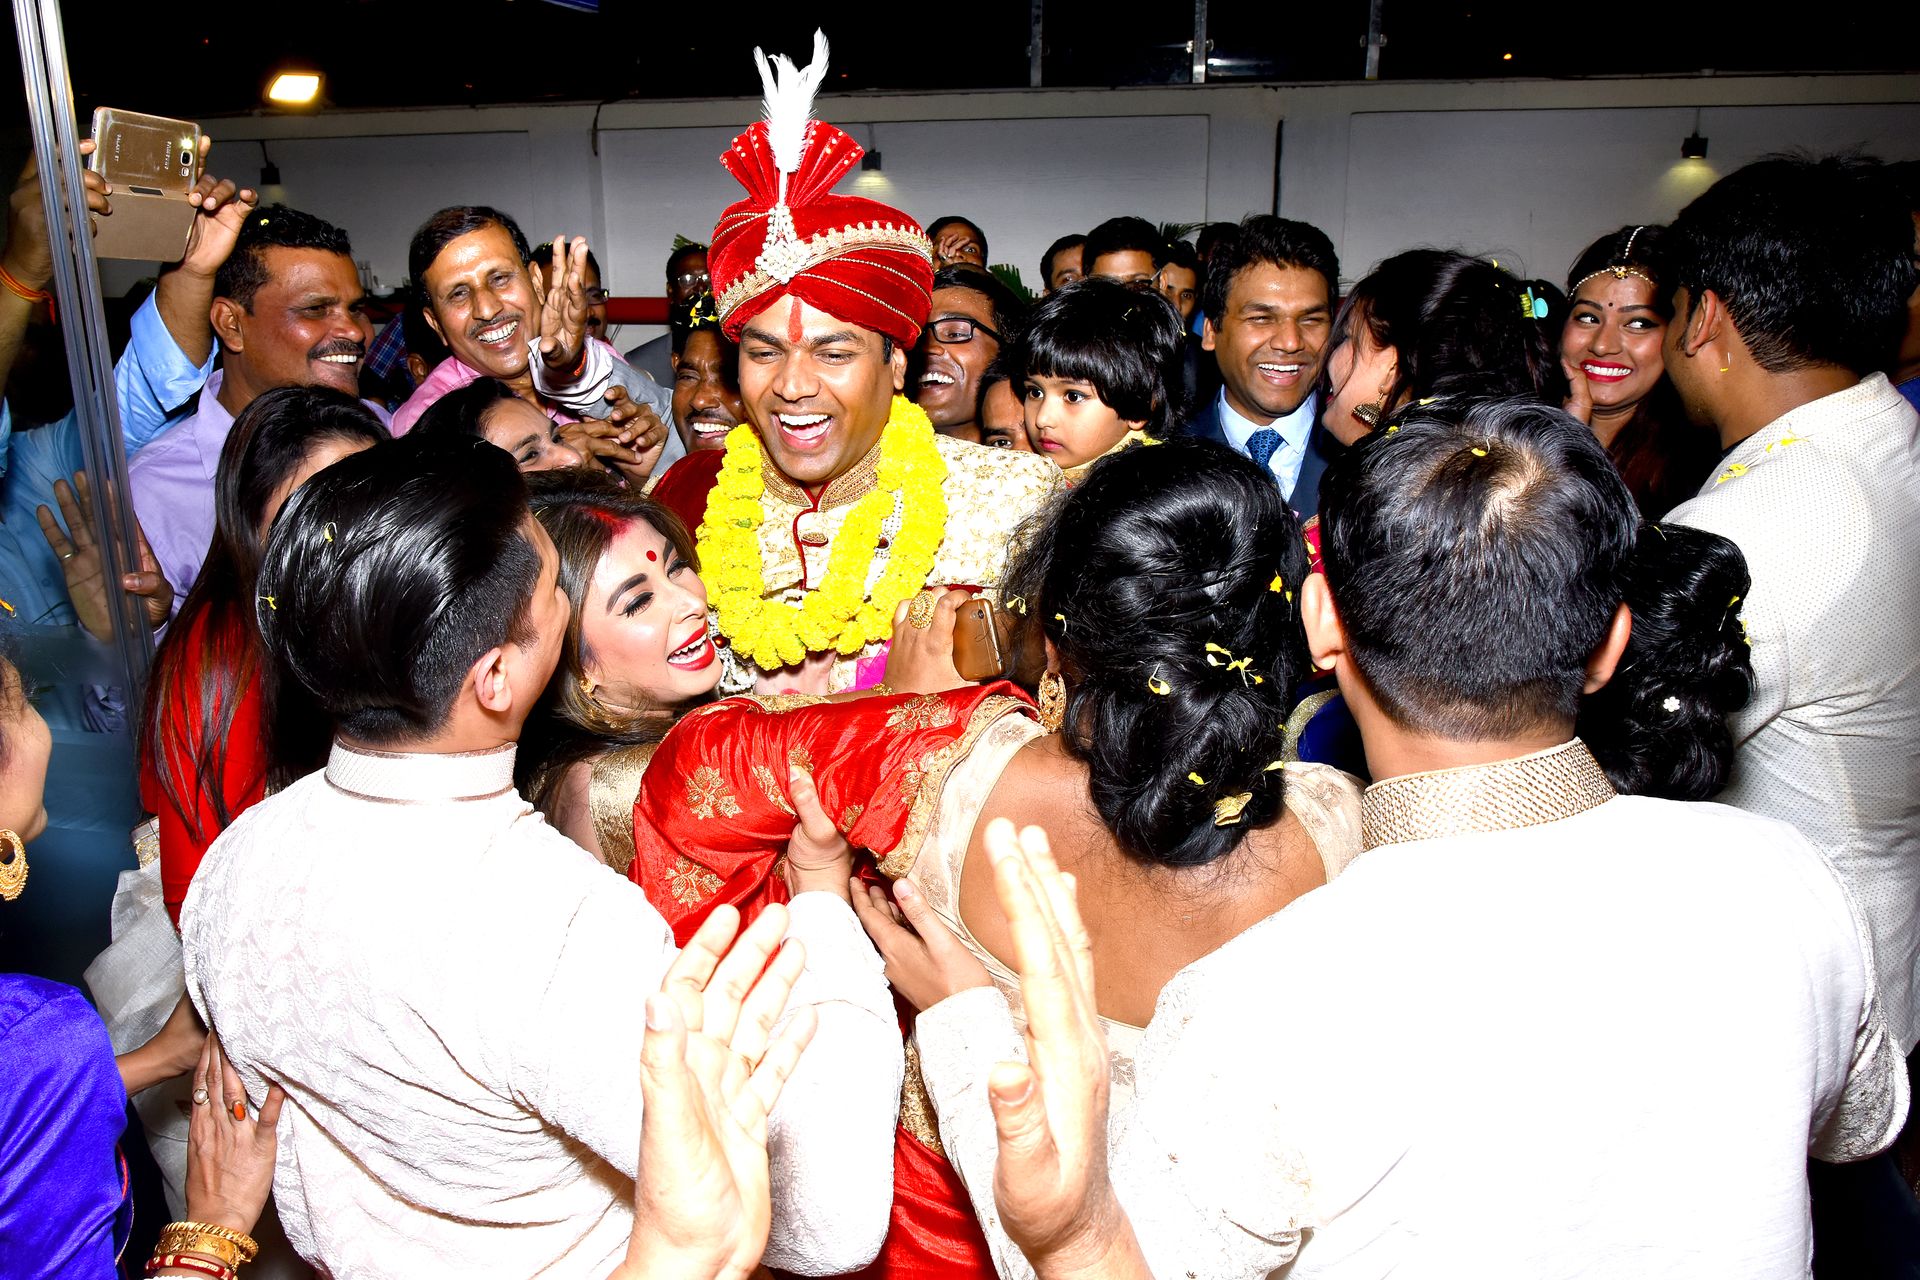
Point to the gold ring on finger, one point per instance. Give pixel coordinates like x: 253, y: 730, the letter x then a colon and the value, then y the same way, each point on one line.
x: 920, y: 612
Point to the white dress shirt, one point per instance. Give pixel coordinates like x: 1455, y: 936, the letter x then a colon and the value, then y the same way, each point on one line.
x: 1825, y: 503
x: 451, y: 993
x: 1294, y: 429
x: 1535, y: 1030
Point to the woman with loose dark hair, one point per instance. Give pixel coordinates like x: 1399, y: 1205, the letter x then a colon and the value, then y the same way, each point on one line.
x: 1659, y: 727
x: 211, y: 742
x: 1162, y: 593
x: 490, y: 410
x: 1621, y: 288
x: 1437, y: 324
x: 1098, y: 367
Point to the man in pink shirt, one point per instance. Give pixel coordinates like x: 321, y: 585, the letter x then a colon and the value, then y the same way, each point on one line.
x: 501, y: 319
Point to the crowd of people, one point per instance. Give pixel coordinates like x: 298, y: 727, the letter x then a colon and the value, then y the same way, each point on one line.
x: 664, y: 814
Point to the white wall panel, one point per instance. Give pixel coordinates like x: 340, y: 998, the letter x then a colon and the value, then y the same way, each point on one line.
x: 1027, y: 181
x: 1536, y: 187
x: 381, y: 188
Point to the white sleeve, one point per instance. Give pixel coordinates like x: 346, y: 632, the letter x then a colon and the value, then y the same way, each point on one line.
x: 575, y: 393
x: 830, y: 1138
x: 959, y: 1041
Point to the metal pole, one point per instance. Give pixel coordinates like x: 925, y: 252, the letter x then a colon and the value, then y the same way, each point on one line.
x: 1035, y: 49
x: 1374, y: 39
x: 83, y: 323
x: 1200, y: 44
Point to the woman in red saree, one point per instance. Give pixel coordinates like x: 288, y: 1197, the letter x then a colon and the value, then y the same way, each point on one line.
x: 1164, y: 779
x: 636, y: 677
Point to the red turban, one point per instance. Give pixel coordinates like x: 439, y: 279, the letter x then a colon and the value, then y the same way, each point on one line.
x: 854, y: 258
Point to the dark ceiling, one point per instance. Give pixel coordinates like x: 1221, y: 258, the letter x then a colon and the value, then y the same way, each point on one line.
x: 214, y: 57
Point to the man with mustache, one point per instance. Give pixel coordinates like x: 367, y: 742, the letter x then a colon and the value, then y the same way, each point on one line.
x: 836, y: 504
x: 287, y: 312
x: 973, y: 315
x: 526, y: 325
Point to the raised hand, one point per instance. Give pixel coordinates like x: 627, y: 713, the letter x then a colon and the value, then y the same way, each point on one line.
x: 84, y: 567
x: 709, y: 1075
x: 224, y: 208
x: 563, y: 304
x: 1050, y: 1183
x: 29, y: 253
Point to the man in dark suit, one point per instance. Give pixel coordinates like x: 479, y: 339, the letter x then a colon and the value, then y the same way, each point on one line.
x: 1268, y: 302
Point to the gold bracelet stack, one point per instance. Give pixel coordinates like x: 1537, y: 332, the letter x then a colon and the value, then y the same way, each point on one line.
x: 203, y: 1247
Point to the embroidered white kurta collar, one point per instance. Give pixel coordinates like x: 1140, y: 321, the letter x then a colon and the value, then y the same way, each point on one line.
x: 1526, y: 791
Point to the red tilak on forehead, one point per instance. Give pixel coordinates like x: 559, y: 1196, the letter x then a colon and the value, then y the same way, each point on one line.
x: 794, y: 332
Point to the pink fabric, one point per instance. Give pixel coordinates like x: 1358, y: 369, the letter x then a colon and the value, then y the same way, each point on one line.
x: 451, y: 375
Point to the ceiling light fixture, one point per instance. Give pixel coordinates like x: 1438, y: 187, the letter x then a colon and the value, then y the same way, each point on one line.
x: 294, y: 88
x: 1693, y: 147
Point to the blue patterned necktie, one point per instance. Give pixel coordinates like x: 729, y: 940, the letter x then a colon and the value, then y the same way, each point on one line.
x: 1262, y: 445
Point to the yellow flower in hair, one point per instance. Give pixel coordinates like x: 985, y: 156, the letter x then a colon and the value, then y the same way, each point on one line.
x: 1196, y: 780
x: 1479, y: 453
x: 1156, y: 685
x: 1226, y: 810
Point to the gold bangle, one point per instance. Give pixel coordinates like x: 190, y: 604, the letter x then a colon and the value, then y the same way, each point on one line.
x: 248, y: 1248
x: 225, y: 1252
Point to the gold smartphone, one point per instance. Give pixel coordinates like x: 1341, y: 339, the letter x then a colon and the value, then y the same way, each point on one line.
x: 150, y: 164
x: 987, y: 645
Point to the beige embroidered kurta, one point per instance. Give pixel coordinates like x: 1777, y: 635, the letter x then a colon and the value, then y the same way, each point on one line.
x: 1539, y: 1030
x: 989, y: 493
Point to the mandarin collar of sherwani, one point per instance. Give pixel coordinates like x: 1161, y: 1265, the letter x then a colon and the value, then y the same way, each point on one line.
x: 400, y: 777
x: 1546, y: 786
x: 859, y: 481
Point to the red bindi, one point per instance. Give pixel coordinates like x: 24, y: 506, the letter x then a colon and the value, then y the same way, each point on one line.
x: 653, y: 555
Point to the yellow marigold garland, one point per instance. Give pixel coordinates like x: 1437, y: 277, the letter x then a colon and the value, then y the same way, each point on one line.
x: 838, y: 614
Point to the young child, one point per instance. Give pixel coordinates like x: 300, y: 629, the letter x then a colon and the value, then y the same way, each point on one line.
x: 1099, y: 368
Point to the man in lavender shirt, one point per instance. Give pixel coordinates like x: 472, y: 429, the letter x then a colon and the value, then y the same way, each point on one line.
x: 527, y: 328
x: 287, y: 311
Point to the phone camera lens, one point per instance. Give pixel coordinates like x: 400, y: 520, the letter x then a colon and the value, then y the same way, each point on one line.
x: 186, y: 159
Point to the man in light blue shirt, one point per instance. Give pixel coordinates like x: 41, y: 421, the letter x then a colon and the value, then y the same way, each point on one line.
x: 1268, y: 303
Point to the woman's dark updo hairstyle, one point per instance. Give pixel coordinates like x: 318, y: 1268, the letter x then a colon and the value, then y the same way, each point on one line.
x: 1459, y: 327
x: 1684, y: 587
x: 1127, y: 342
x: 1158, y: 553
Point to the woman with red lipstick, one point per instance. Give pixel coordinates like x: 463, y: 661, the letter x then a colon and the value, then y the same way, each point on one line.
x: 1622, y: 299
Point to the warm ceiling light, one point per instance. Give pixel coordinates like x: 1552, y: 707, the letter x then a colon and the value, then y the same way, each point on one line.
x: 294, y: 88
x: 1693, y: 147
x: 1506, y: 57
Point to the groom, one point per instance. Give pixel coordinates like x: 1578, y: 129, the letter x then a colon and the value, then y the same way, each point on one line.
x: 835, y: 501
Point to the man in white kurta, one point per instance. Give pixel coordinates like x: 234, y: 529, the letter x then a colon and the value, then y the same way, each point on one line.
x: 1536, y: 1029
x: 450, y: 991
x: 1800, y: 274
x: 1825, y: 503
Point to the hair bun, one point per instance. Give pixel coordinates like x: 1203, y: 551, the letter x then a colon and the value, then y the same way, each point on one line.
x: 1181, y: 655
